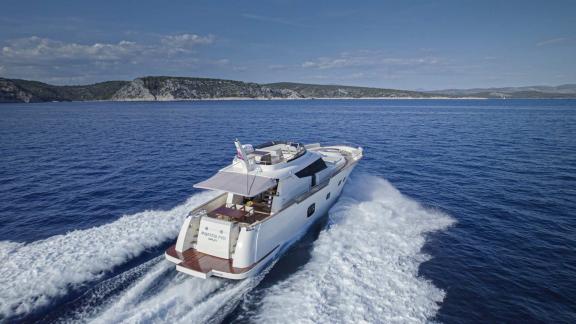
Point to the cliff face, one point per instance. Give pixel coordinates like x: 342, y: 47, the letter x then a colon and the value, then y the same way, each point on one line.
x: 170, y: 88
x: 10, y: 92
x: 135, y: 90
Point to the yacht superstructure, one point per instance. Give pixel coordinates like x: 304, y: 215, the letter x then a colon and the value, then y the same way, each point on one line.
x: 271, y: 194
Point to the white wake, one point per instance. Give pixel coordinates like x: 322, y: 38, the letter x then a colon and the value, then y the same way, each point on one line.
x: 162, y: 295
x: 33, y: 274
x: 364, y: 266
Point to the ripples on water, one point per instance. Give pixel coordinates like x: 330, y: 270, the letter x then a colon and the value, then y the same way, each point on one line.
x: 491, y: 239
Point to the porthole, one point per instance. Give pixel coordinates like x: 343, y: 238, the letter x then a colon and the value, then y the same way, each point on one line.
x: 311, y: 209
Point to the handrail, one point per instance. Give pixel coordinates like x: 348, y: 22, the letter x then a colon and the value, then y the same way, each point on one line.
x: 203, y: 206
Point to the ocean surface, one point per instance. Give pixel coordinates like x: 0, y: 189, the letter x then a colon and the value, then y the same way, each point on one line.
x: 462, y: 211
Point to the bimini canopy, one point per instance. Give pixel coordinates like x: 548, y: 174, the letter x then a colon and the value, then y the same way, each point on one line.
x: 243, y: 184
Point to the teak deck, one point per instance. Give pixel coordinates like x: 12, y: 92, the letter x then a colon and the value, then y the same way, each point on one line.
x: 260, y: 212
x: 204, y: 263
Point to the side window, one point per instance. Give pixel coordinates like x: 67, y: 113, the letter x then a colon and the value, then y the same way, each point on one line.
x: 328, y: 196
x: 311, y: 209
x: 339, y: 182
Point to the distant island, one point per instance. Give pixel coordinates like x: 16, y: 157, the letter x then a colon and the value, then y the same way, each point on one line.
x: 165, y: 88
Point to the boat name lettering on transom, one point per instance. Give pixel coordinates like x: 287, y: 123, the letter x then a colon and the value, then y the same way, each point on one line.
x: 213, y: 236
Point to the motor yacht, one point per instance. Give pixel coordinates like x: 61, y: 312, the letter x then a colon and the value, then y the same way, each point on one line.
x: 269, y: 196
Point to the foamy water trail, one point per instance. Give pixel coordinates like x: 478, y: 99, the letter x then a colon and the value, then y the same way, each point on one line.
x: 364, y: 266
x: 105, y: 293
x: 174, y: 298
x: 178, y: 299
x: 33, y: 274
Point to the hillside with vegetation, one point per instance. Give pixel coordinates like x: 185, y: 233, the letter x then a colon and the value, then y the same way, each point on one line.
x: 339, y: 91
x: 565, y: 91
x: 166, y: 88
x: 180, y: 88
x: 14, y: 90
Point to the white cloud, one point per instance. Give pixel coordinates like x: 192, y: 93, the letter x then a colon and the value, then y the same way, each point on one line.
x: 63, y: 62
x: 366, y: 59
x: 46, y: 49
x: 37, y: 48
x: 552, y: 41
x: 187, y: 40
x: 328, y: 63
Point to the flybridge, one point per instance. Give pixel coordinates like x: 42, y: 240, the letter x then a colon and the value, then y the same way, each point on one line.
x: 257, y: 169
x: 269, y: 153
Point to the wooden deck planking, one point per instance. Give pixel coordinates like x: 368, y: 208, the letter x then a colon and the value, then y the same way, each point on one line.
x: 204, y: 263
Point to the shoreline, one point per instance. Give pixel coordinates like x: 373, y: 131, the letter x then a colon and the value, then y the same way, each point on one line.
x: 288, y: 99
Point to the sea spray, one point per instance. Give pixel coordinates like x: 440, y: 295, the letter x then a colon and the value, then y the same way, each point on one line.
x: 104, y: 294
x: 148, y: 300
x: 178, y: 298
x: 364, y: 266
x: 33, y: 274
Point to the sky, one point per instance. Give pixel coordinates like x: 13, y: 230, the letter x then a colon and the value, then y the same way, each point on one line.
x: 407, y: 44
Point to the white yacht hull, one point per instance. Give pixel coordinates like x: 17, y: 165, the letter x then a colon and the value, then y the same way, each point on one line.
x: 259, y: 244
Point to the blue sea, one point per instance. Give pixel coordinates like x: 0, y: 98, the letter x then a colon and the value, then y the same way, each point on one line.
x: 462, y: 211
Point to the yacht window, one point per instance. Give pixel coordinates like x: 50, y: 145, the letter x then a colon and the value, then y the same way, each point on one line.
x: 312, y: 169
x: 266, y: 159
x: 328, y: 196
x: 340, y: 182
x: 311, y: 209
